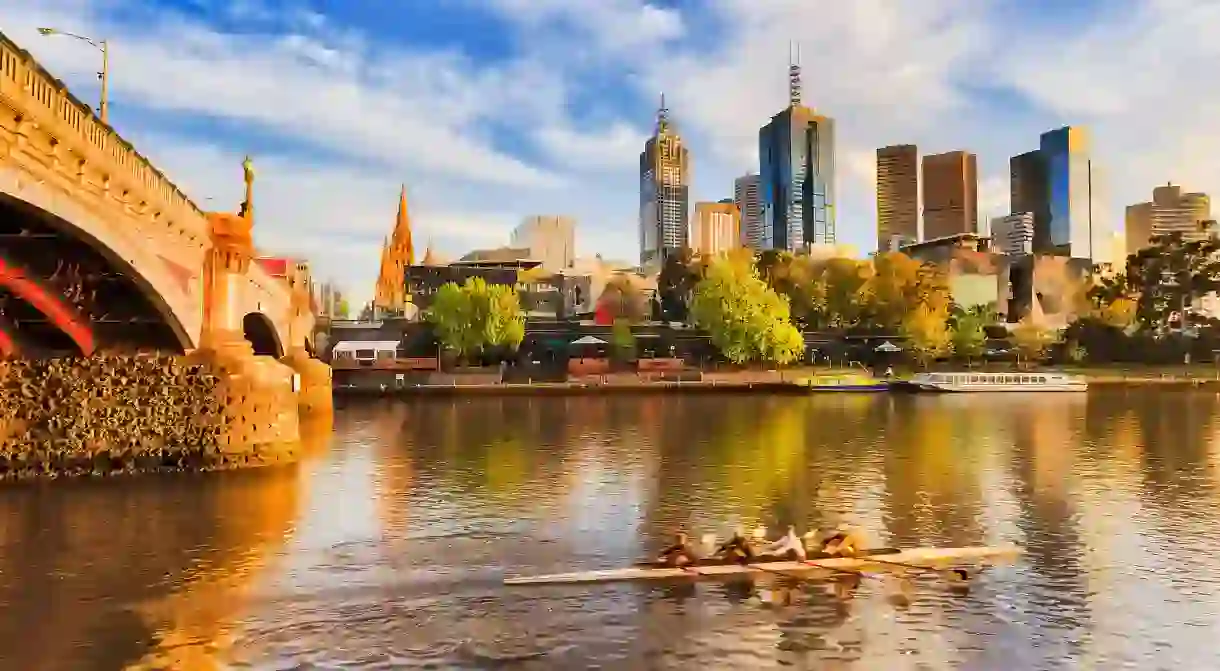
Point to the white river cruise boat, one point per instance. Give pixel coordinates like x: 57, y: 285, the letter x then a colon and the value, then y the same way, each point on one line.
x: 976, y: 382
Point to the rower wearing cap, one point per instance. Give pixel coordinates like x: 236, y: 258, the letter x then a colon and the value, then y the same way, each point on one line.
x: 736, y: 549
x: 844, y: 541
x: 679, y: 554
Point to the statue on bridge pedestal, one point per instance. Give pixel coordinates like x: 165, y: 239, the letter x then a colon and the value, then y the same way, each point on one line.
x: 232, y: 250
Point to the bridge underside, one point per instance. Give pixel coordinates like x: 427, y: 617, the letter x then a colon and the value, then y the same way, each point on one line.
x: 62, y: 295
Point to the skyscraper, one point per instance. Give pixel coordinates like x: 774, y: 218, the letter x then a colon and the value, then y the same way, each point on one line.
x: 715, y: 228
x: 550, y: 239
x: 664, y: 192
x: 1070, y: 230
x: 1028, y: 191
x: 796, y: 155
x: 1169, y: 210
x: 897, y: 196
x: 747, y: 195
x: 950, y: 194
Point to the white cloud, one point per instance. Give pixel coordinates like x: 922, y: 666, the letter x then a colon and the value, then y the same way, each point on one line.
x: 889, y: 72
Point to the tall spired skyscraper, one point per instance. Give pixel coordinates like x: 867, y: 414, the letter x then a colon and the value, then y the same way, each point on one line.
x: 796, y: 152
x: 664, y: 192
x: 397, y: 253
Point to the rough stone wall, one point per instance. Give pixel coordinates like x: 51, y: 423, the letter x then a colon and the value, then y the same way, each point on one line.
x: 110, y: 414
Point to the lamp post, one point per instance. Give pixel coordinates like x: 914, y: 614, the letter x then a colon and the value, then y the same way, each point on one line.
x: 104, y: 75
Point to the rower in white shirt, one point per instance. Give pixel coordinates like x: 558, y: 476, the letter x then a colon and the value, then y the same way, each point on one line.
x: 790, y: 546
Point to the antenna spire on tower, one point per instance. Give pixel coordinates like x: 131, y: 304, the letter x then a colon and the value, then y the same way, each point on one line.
x: 662, y: 116
x: 794, y: 74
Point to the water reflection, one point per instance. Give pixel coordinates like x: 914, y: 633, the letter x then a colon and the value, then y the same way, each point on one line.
x: 388, y: 547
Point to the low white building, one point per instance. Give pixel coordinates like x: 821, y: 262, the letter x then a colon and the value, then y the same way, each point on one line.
x: 1013, y: 234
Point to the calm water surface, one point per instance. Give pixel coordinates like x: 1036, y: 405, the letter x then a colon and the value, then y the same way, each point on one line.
x: 385, y: 548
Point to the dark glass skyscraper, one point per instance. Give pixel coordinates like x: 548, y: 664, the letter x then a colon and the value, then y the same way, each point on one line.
x: 797, y: 172
x: 1056, y: 184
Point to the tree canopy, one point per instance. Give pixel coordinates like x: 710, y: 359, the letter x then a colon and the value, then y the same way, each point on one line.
x: 472, y: 317
x: 746, y: 319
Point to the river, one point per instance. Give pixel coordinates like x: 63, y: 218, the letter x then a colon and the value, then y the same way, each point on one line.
x: 386, y: 546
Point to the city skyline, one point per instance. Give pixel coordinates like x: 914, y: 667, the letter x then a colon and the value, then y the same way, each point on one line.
x: 486, y: 132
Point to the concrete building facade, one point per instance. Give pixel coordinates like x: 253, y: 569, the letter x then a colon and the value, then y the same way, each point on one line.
x: 1013, y: 234
x: 1169, y: 211
x: 747, y: 195
x: 897, y: 196
x: 950, y: 194
x: 715, y: 228
x: 550, y: 239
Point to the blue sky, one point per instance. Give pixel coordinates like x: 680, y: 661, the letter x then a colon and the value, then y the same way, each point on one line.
x: 492, y: 110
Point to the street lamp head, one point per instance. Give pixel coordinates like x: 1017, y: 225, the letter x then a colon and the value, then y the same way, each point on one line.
x: 46, y: 31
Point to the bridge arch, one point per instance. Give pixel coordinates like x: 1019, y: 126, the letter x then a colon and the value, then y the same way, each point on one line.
x: 85, y: 277
x: 261, y: 332
x: 15, y: 283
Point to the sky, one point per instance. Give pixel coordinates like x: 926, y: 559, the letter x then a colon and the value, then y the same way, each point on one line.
x: 493, y: 110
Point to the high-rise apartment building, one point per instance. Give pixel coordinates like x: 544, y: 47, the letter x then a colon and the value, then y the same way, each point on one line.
x: 550, y: 239
x: 715, y: 228
x: 664, y: 192
x: 897, y: 196
x: 796, y: 155
x: 1013, y: 234
x: 1169, y: 210
x: 950, y: 194
x: 747, y: 195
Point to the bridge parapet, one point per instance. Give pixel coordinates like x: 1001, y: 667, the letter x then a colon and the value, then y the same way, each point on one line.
x: 115, y: 195
x: 103, y: 163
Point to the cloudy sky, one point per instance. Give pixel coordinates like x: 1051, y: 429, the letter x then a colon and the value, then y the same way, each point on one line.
x: 490, y: 110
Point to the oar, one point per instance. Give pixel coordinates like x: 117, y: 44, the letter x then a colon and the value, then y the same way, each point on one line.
x: 959, y: 574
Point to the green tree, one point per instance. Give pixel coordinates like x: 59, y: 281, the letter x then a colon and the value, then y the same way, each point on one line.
x: 1168, y: 276
x: 746, y: 319
x: 675, y: 283
x: 1032, y: 340
x: 469, y: 318
x: 622, y: 339
x: 342, y: 310
x: 927, y: 333
x: 968, y: 336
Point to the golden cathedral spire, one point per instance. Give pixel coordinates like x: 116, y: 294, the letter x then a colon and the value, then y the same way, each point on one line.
x: 397, y: 254
x: 403, y: 249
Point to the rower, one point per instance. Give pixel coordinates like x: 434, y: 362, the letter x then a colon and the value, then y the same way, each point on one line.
x: 790, y: 546
x: 679, y: 554
x: 844, y: 541
x: 736, y: 549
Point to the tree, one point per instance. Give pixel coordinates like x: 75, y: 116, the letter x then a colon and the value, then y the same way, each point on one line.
x: 1032, y: 340
x: 746, y: 319
x: 622, y: 299
x: 622, y: 339
x: 675, y: 284
x: 469, y: 318
x: 969, y: 336
x: 1168, y: 276
x: 927, y: 333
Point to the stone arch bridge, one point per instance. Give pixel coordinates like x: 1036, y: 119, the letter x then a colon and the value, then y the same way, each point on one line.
x: 100, y: 251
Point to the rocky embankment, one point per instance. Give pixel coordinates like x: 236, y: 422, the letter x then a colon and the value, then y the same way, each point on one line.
x: 109, y: 414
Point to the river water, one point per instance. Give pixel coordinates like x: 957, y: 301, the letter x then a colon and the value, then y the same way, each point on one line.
x: 386, y: 546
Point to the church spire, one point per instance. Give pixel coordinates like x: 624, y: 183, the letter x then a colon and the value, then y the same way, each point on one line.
x: 403, y: 249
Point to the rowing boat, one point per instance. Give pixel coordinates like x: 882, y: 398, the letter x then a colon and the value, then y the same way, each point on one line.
x: 913, y: 556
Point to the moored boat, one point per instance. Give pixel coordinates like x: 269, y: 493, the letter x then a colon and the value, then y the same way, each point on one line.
x: 842, y: 382
x: 992, y: 382
x: 914, y: 557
